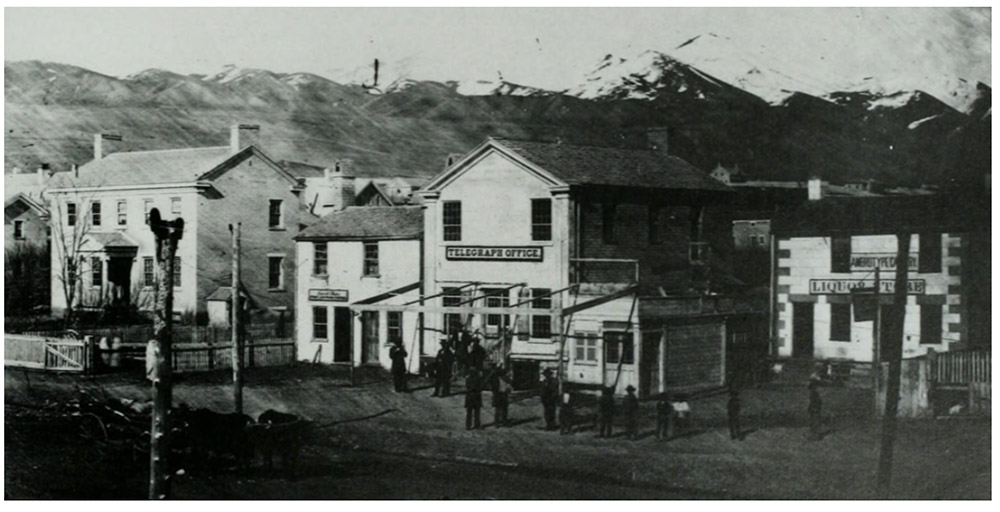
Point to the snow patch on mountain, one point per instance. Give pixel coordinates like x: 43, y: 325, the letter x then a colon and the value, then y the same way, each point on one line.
x: 914, y: 125
x: 895, y: 100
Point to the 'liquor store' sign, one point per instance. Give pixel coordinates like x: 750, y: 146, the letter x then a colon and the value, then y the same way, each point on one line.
x: 844, y: 286
x: 494, y: 253
x: 872, y: 260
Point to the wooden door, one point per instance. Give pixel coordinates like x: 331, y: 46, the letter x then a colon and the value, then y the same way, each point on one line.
x: 802, y: 330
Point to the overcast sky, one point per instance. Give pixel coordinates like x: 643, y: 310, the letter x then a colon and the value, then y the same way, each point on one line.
x: 543, y: 47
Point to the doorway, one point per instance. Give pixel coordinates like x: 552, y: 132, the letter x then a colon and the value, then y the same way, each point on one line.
x: 369, y: 337
x: 802, y: 330
x: 342, y: 339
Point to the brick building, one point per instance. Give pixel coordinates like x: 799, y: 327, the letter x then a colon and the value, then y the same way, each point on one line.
x: 100, y: 215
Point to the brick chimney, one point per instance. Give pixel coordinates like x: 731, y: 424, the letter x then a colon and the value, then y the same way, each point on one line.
x: 43, y: 173
x: 243, y: 135
x: 99, y: 138
x: 815, y: 189
x: 341, y: 185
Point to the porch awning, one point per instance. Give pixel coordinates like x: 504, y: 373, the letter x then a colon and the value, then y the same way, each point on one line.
x: 109, y: 242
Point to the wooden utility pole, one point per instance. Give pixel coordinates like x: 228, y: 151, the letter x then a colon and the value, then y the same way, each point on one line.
x: 894, y: 351
x: 167, y: 234
x: 236, y: 327
x: 877, y: 341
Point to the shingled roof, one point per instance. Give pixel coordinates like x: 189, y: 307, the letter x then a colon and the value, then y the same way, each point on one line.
x: 368, y: 223
x: 147, y: 167
x: 882, y: 215
x: 595, y: 165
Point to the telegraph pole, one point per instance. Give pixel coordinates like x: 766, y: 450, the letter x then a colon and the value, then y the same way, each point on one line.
x: 894, y: 351
x: 877, y: 340
x: 236, y: 311
x: 167, y: 234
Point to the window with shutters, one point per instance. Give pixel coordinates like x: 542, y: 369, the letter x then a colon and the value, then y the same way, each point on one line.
x: 452, y: 321
x: 497, y: 298
x: 451, y: 220
x: 541, y: 325
x: 541, y: 219
x: 840, y: 322
x: 585, y: 344
x: 96, y: 272
x: 840, y: 254
x: 320, y: 323
x: 148, y: 272
x: 275, y: 219
x: 371, y: 259
x: 122, y: 212
x: 930, y: 324
x: 930, y: 252
x: 319, y: 258
x: 394, y: 326
x: 617, y: 345
x: 275, y: 273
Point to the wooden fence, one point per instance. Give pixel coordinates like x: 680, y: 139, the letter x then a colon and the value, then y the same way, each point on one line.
x: 199, y: 357
x: 46, y: 353
x: 961, y: 367
x: 181, y: 333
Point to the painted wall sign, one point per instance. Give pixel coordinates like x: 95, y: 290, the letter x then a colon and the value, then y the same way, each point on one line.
x: 844, y: 286
x: 883, y: 260
x: 321, y: 294
x: 494, y: 253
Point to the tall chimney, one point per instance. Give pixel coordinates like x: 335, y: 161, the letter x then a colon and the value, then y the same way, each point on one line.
x: 242, y: 136
x: 815, y: 189
x: 99, y: 139
x: 657, y: 138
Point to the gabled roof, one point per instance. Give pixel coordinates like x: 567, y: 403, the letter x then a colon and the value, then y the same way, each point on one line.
x: 160, y: 167
x: 368, y: 223
x: 594, y: 166
x: 378, y: 190
x: 110, y: 241
x: 882, y: 216
x: 28, y: 202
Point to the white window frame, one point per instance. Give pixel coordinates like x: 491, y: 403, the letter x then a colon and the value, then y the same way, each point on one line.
x: 589, y: 342
x: 122, y: 212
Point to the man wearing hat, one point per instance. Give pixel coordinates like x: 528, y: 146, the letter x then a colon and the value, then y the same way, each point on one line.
x: 473, y: 400
x: 605, y: 412
x: 631, y: 406
x: 442, y: 371
x: 550, y: 399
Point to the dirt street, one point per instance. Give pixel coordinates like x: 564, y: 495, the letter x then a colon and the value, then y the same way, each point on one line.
x: 411, y: 445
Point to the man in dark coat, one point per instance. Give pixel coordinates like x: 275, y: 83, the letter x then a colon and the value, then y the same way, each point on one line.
x: 815, y: 410
x: 442, y: 374
x: 397, y: 354
x: 550, y: 399
x: 500, y: 388
x: 605, y: 412
x: 733, y: 412
x: 631, y: 407
x: 473, y: 400
x: 664, y: 418
x: 477, y: 355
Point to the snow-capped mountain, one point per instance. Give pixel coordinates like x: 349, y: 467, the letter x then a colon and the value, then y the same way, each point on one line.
x: 495, y: 88
x: 648, y: 76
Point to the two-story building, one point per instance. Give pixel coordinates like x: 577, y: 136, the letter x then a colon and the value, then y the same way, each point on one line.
x: 349, y: 256
x: 827, y: 247
x: 103, y: 246
x: 550, y: 249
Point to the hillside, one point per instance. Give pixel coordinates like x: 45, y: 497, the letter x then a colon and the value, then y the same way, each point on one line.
x: 905, y: 137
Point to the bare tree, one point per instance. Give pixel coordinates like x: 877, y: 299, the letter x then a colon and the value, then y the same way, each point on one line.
x: 70, y: 218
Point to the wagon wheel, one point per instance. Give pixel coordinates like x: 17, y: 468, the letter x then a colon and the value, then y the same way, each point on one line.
x: 92, y: 428
x: 71, y: 334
